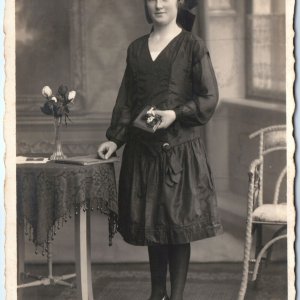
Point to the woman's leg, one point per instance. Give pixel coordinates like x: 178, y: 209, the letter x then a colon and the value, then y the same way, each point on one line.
x: 179, y: 258
x: 158, y: 258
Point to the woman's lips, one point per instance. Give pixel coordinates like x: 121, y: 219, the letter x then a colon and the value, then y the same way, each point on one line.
x: 159, y: 13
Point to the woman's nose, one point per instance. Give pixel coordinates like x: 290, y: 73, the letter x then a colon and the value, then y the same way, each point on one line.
x: 158, y: 4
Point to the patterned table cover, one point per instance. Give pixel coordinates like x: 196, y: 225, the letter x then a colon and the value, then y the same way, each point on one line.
x: 47, y: 194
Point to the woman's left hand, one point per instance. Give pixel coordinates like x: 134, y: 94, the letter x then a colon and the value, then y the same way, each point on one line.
x: 167, y: 118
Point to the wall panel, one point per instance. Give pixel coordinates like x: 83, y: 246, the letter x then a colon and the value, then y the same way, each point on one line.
x: 80, y: 44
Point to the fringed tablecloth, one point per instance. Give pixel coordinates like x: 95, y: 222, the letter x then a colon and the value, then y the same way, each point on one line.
x: 47, y: 194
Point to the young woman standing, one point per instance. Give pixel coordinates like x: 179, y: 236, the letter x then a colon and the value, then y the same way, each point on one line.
x: 166, y: 192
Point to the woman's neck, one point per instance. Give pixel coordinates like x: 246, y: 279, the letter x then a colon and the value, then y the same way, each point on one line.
x: 165, y: 31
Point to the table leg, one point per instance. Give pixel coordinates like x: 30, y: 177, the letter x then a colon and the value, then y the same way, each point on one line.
x: 39, y: 280
x: 21, y: 256
x: 83, y: 256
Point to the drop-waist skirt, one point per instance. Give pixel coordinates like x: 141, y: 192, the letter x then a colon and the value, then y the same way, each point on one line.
x: 166, y: 193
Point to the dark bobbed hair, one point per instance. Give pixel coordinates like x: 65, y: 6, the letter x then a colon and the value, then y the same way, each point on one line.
x: 180, y: 11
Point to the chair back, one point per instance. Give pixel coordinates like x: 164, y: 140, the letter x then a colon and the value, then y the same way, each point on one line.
x: 271, y: 139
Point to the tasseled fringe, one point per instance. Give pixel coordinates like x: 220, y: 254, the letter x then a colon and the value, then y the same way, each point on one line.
x: 43, y: 247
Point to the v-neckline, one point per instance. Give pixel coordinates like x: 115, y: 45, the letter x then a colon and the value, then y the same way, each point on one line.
x: 167, y: 46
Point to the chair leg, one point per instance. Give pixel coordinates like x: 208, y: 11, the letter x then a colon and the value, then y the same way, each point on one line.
x: 248, y: 241
x: 247, y: 252
x: 270, y: 250
x: 261, y: 253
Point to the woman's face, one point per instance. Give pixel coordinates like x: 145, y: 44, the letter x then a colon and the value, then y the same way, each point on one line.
x: 162, y: 12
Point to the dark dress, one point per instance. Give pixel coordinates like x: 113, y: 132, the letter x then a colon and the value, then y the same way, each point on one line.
x: 166, y: 190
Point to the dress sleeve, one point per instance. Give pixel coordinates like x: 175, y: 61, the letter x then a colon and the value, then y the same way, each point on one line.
x: 199, y: 109
x: 121, y: 115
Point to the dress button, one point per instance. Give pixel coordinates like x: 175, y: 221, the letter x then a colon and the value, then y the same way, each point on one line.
x: 166, y: 146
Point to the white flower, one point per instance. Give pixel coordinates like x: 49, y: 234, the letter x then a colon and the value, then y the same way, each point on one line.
x: 71, y: 96
x: 54, y: 99
x: 150, y: 119
x: 46, y: 91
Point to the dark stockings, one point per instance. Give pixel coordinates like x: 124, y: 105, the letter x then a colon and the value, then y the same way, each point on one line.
x: 158, y: 258
x: 178, y: 257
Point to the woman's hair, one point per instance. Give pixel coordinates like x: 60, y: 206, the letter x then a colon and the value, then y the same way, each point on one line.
x: 148, y: 18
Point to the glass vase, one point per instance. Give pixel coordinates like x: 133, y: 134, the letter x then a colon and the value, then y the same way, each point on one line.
x: 58, y: 153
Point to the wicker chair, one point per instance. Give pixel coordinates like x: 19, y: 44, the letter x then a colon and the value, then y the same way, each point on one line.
x: 259, y: 213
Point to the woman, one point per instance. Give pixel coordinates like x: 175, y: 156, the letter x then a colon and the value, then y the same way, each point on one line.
x: 166, y: 192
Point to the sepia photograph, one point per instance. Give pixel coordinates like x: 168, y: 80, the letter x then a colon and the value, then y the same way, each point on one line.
x: 149, y: 150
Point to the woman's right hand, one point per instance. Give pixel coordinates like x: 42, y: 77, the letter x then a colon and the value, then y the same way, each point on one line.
x: 106, y: 149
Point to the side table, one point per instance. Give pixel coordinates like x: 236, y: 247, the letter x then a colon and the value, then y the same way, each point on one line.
x: 47, y: 193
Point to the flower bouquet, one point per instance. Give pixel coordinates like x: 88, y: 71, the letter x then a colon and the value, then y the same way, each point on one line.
x: 58, y: 106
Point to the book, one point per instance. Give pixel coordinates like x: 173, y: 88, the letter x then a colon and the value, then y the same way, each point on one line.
x: 31, y: 160
x: 86, y: 160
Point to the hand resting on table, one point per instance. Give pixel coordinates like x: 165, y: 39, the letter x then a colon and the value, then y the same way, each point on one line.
x: 106, y: 149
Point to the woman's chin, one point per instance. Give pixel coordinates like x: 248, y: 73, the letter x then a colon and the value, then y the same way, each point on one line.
x: 161, y: 21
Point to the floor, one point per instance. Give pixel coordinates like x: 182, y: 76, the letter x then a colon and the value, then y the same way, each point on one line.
x: 209, y: 281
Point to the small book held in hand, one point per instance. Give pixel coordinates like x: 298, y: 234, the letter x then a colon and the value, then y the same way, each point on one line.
x: 87, y: 160
x: 147, y: 119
